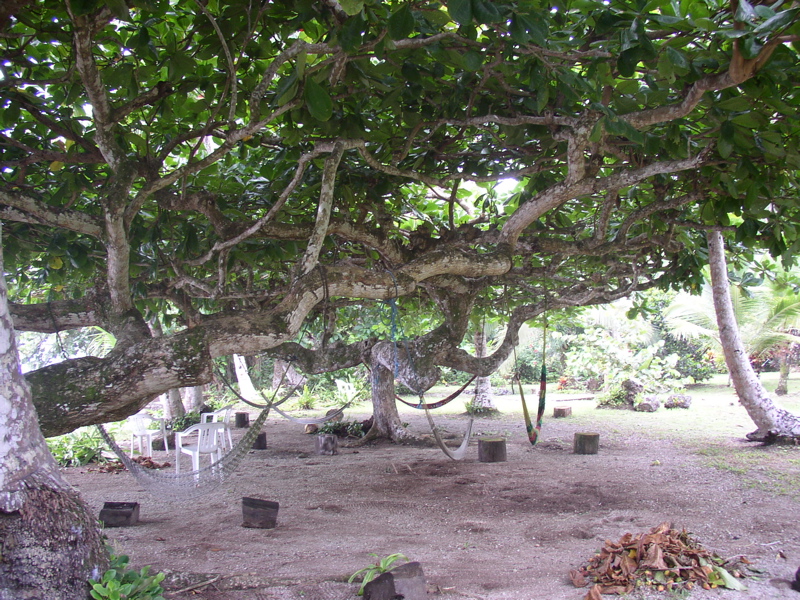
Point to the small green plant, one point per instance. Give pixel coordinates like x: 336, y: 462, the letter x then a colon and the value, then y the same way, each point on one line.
x: 184, y: 421
x: 307, y: 399
x: 369, y: 573
x: 121, y: 583
x: 77, y: 448
x: 343, y: 428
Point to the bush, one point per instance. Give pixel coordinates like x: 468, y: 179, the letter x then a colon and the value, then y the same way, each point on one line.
x: 184, y: 421
x: 77, y: 448
x: 343, y: 428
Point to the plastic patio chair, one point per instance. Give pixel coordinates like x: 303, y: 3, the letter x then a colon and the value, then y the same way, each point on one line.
x: 222, y: 415
x: 207, y: 442
x: 140, y: 432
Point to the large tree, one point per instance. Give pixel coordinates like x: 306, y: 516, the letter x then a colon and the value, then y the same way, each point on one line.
x: 239, y: 170
x: 50, y: 540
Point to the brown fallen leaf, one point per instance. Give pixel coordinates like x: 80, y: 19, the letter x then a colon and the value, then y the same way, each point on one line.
x: 594, y: 593
x: 577, y: 578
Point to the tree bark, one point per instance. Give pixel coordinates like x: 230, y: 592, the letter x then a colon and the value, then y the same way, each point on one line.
x: 50, y: 542
x: 194, y: 399
x: 771, y: 421
x: 291, y: 378
x: 483, y: 401
x: 784, y: 362
x: 386, y: 420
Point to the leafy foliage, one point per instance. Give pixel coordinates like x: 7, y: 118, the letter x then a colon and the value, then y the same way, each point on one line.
x: 121, y: 583
x: 206, y: 165
x: 77, y: 448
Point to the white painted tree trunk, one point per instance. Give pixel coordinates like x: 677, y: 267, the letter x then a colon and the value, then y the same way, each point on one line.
x: 246, y: 388
x: 484, y: 401
x: 50, y: 541
x: 771, y: 421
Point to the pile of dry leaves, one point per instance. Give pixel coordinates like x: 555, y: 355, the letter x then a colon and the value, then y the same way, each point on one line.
x: 116, y: 466
x: 664, y: 559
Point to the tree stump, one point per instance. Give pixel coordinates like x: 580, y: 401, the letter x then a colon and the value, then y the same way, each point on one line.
x: 492, y: 450
x: 260, y: 514
x: 559, y: 412
x: 261, y: 442
x: 119, y: 514
x: 587, y: 443
x: 327, y: 445
x: 242, y: 420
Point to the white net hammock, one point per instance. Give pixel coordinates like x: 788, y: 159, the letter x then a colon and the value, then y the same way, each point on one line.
x: 191, y: 484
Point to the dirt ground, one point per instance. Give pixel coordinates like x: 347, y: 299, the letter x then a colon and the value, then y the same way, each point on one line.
x: 510, y: 530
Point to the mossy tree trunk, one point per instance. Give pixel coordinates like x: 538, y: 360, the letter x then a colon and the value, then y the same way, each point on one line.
x: 50, y: 542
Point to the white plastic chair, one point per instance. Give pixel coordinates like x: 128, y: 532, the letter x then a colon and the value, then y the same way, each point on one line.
x: 222, y: 415
x: 140, y: 432
x: 208, y: 436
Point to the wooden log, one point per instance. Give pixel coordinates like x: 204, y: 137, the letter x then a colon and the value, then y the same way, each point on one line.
x: 242, y: 420
x: 327, y: 445
x: 559, y: 412
x: 491, y: 450
x: 587, y: 443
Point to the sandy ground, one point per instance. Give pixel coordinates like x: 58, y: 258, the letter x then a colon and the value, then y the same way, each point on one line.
x: 480, y: 530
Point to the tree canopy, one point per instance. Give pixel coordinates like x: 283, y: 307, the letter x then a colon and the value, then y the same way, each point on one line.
x: 235, y: 170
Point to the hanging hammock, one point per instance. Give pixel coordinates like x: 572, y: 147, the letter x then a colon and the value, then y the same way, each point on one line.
x: 421, y: 404
x: 187, y: 485
x: 285, y: 415
x: 533, y: 432
x: 461, y: 452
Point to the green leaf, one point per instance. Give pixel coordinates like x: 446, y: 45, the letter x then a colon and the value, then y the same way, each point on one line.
x: 736, y: 104
x: 627, y: 61
x: 460, y: 11
x: 352, y: 7
x: 678, y: 60
x: 401, y: 23
x: 119, y: 9
x: 745, y: 12
x: 728, y: 580
x: 485, y: 12
x: 318, y: 101
x: 779, y: 21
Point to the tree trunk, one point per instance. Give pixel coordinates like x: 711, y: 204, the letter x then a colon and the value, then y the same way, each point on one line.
x: 292, y: 377
x: 386, y: 420
x: 50, y: 542
x: 246, y: 388
x: 483, y: 402
x: 771, y: 422
x: 784, y: 361
x: 173, y: 404
x: 193, y: 398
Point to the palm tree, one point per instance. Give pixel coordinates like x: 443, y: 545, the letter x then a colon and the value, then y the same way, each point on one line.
x: 767, y: 317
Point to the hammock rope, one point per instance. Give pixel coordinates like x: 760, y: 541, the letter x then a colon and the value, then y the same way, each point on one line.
x: 192, y: 484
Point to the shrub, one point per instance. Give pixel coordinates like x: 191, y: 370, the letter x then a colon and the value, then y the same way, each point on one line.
x: 77, y: 448
x: 184, y: 421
